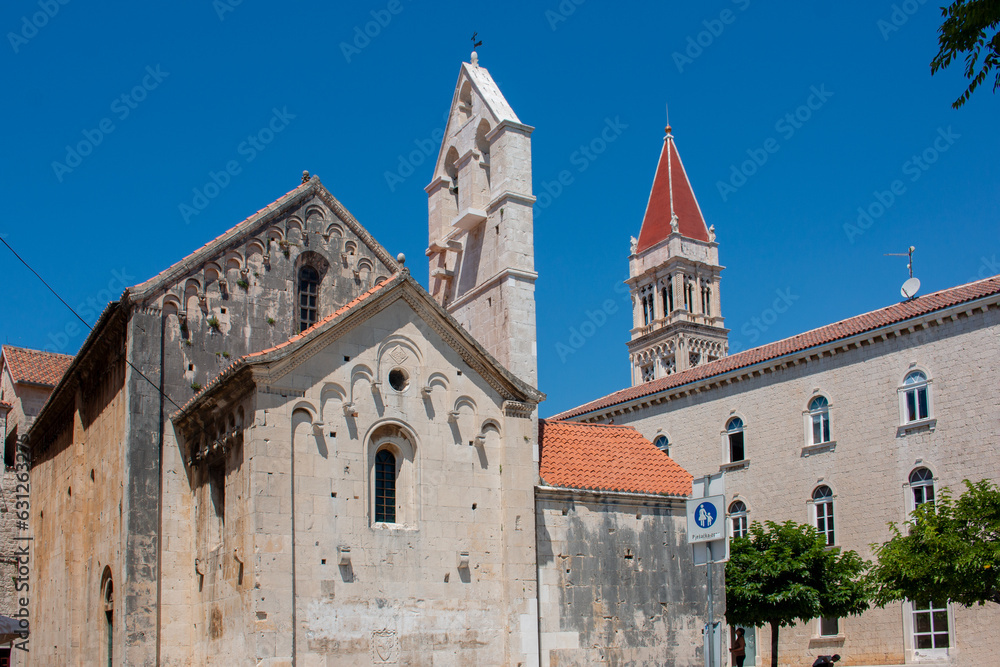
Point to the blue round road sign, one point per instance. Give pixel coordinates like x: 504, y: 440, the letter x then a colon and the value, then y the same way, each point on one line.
x: 705, y: 515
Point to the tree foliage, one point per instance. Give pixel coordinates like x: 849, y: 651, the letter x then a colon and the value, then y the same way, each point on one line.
x: 784, y: 573
x: 966, y: 28
x: 947, y: 551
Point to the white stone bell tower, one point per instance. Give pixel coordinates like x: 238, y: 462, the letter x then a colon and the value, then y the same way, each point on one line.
x: 481, y: 242
x: 674, y: 276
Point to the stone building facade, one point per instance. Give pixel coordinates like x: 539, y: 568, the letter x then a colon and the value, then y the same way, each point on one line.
x: 846, y: 427
x: 282, y: 450
x: 27, y: 377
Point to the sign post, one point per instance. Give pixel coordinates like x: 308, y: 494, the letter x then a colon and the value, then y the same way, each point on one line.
x: 706, y: 527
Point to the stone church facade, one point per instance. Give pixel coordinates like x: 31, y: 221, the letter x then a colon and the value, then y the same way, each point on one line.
x: 282, y: 450
x: 846, y: 427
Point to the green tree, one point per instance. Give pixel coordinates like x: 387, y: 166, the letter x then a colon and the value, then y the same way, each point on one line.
x: 948, y: 551
x: 784, y: 573
x: 966, y: 28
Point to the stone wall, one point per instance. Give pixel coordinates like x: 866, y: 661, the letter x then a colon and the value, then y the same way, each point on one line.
x: 402, y: 595
x: 867, y: 466
x: 77, y: 495
x: 617, y: 583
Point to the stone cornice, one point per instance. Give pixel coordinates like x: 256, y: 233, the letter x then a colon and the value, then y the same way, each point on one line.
x: 499, y: 276
x: 563, y: 493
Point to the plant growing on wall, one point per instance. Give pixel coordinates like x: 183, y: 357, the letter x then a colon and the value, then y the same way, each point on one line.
x: 243, y: 284
x: 213, y: 322
x: 270, y: 321
x: 195, y: 386
x: 784, y: 573
x: 948, y: 550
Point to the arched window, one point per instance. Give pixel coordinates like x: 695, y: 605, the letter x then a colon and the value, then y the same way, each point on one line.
x: 819, y: 417
x: 385, y: 487
x: 922, y: 487
x: 668, y: 295
x: 308, y: 292
x: 662, y: 443
x: 738, y: 518
x: 108, y: 605
x: 916, y: 406
x: 823, y: 508
x: 734, y: 434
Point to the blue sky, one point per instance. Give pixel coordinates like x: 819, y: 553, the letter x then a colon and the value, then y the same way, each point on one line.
x: 211, y: 74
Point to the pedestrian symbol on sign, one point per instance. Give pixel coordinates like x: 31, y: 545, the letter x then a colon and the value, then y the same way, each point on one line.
x: 705, y: 515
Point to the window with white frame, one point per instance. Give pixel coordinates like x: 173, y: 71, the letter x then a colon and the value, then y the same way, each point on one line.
x: 829, y: 627
x: 819, y: 420
x: 930, y: 625
x: 662, y: 443
x: 916, y: 406
x: 735, y: 439
x: 738, y: 518
x: 823, y: 511
x: 922, y: 487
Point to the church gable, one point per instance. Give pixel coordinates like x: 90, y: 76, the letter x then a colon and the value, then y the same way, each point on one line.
x: 307, y: 225
x: 274, y: 364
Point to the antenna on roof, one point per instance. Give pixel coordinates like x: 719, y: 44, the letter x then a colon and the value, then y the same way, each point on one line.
x: 912, y: 285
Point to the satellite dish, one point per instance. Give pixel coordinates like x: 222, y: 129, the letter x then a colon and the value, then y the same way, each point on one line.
x: 910, y: 288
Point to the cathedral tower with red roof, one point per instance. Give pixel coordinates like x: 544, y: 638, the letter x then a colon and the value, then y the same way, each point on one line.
x: 674, y: 275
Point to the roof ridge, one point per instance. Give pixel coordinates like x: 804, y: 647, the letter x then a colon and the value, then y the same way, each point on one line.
x: 150, y: 281
x: 34, y: 351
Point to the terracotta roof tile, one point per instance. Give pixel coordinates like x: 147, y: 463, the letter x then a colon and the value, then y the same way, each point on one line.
x: 671, y: 194
x: 828, y: 334
x: 607, y: 458
x: 35, y: 366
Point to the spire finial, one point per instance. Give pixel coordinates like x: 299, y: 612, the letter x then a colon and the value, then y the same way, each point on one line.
x: 475, y: 44
x: 667, y: 129
x: 305, y: 176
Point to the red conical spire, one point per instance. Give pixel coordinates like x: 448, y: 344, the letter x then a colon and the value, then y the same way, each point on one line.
x: 671, y: 196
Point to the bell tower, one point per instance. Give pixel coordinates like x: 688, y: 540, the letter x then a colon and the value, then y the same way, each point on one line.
x: 481, y: 243
x: 674, y: 275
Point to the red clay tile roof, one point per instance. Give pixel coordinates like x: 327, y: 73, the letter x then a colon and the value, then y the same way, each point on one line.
x: 607, y: 458
x: 828, y: 334
x: 34, y: 366
x: 671, y: 194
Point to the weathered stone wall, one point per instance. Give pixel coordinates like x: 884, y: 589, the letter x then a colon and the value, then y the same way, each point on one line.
x: 78, y: 487
x: 617, y: 583
x: 403, y: 594
x: 8, y: 530
x: 259, y: 313
x: 868, y: 466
